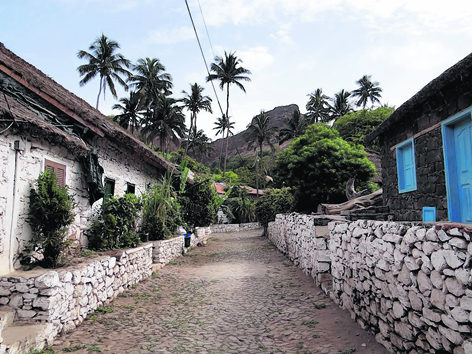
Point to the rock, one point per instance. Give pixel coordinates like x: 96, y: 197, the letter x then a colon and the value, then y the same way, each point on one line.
x: 454, y: 287
x: 424, y: 283
x: 455, y: 232
x: 466, y: 303
x: 438, y: 298
x: 404, y: 330
x: 47, y: 280
x: 398, y: 310
x: 429, y: 247
x: 443, y: 236
x: 421, y: 234
x: 416, y: 302
x: 453, y: 336
x: 460, y: 315
x: 433, y: 338
x: 412, y: 263
x: 452, y: 259
x: 431, y: 235
x: 467, y: 346
x: 450, y: 322
x: 415, y: 320
x: 25, y: 314
x: 436, y: 279
x: 451, y: 301
x: 404, y: 276
x: 438, y: 260
x: 458, y: 243
x: 432, y: 315
x: 462, y: 275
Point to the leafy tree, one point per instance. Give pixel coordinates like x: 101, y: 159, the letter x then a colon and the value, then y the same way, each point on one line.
x: 230, y: 178
x: 295, y: 126
x: 151, y: 81
x: 197, y: 204
x: 179, y: 156
x: 260, y: 132
x: 318, y: 108
x: 130, y: 115
x: 164, y: 119
x: 50, y: 214
x: 341, y: 104
x: 196, y: 102
x: 354, y: 126
x: 103, y: 61
x: 228, y: 71
x: 240, y: 205
x: 198, y: 141
x: 367, y: 90
x: 317, y: 166
x: 273, y: 202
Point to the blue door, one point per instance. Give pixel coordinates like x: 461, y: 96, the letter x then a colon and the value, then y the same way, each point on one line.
x: 463, y: 157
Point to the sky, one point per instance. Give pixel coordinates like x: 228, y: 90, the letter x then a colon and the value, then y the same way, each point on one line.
x: 292, y: 47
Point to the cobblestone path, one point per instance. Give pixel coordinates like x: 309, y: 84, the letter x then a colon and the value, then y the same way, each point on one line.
x: 236, y: 295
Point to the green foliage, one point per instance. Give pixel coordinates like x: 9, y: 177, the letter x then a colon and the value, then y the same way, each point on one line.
x: 353, y: 126
x: 229, y: 178
x: 161, y: 214
x: 197, y: 203
x: 179, y: 156
x: 317, y: 166
x: 46, y: 350
x: 115, y: 226
x: 242, y: 208
x: 273, y: 202
x: 49, y: 216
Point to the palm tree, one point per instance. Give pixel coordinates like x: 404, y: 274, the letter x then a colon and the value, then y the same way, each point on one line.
x: 259, y: 132
x: 228, y: 71
x: 195, y: 102
x: 296, y: 126
x: 200, y: 142
x: 318, y: 107
x: 130, y: 111
x: 367, y: 90
x: 164, y: 119
x: 105, y: 62
x: 150, y: 79
x: 221, y: 125
x: 341, y: 105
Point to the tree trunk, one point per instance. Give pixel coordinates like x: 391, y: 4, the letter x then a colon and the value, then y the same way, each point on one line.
x: 99, y: 91
x: 227, y: 133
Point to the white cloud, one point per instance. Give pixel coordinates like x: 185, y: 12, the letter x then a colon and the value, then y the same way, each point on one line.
x: 256, y: 58
x: 174, y: 35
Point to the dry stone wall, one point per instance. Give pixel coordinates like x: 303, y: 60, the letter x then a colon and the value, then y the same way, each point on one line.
x: 408, y: 283
x: 63, y: 298
x: 305, y: 243
x: 223, y: 228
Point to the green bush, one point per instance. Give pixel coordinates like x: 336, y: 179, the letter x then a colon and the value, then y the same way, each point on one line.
x: 273, y: 202
x: 161, y: 212
x: 240, y: 205
x: 115, y: 226
x: 317, y: 166
x: 197, y: 203
x: 49, y: 216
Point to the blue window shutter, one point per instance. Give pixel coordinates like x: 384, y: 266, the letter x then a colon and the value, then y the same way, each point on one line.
x: 406, y: 167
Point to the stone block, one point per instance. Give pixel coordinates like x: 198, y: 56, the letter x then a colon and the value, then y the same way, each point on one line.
x: 47, y: 280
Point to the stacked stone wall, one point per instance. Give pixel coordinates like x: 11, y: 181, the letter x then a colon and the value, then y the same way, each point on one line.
x: 63, y: 298
x: 408, y: 283
x: 223, y: 228
x: 305, y: 244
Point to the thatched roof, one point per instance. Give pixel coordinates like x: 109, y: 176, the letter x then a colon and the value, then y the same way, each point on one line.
x: 74, y: 107
x: 457, y: 72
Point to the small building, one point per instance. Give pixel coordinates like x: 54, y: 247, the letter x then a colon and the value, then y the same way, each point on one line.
x: 44, y: 126
x: 426, y: 152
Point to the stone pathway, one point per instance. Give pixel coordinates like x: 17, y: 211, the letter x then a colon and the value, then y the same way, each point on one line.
x: 236, y: 295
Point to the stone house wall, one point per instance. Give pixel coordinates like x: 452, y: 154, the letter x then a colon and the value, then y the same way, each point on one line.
x: 408, y: 283
x: 14, y: 230
x: 424, y: 125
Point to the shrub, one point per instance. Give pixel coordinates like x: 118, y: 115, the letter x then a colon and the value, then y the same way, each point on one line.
x: 161, y: 212
x: 197, y: 203
x: 240, y: 205
x: 49, y: 216
x: 273, y: 202
x: 317, y: 166
x: 115, y: 226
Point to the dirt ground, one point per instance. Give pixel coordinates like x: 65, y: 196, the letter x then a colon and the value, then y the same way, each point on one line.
x: 236, y: 295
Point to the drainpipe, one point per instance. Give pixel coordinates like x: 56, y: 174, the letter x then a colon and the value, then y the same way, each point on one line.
x: 16, y: 147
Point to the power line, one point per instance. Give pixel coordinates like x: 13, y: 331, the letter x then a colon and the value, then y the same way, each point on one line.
x: 203, y: 56
x: 206, y: 29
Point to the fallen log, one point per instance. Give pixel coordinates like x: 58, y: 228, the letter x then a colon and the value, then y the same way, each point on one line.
x: 369, y: 200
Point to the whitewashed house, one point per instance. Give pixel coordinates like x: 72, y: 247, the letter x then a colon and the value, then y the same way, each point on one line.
x: 42, y: 125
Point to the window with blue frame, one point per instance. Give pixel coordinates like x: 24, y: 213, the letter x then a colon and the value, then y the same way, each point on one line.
x: 406, y: 166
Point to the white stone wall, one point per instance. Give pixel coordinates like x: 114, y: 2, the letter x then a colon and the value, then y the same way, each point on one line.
x: 305, y: 244
x: 63, y: 298
x: 409, y: 284
x: 223, y: 228
x: 119, y: 165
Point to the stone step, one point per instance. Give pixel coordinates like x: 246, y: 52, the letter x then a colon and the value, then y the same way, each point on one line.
x: 20, y: 338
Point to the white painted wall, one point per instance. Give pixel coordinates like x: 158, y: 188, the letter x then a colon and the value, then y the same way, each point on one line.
x: 119, y: 165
